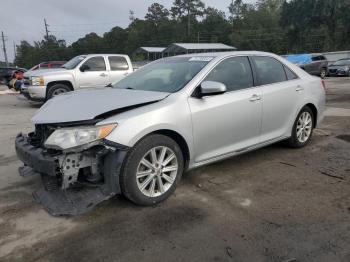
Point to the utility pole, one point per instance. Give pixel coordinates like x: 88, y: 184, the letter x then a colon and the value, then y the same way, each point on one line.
x: 47, y: 31
x: 4, y: 48
x: 188, y: 22
x: 14, y: 50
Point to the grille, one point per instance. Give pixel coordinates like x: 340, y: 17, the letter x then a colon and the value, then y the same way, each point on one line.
x: 26, y: 81
x: 332, y: 70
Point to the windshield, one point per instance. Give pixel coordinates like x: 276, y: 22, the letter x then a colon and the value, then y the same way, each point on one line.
x: 342, y: 62
x: 166, y: 75
x: 74, y: 62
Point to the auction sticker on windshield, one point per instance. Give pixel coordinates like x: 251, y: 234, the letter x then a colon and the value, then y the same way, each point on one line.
x: 201, y: 58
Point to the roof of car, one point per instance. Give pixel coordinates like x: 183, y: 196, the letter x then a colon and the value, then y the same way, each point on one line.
x: 102, y: 54
x: 229, y: 53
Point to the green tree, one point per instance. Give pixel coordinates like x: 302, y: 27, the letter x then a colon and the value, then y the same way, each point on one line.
x: 90, y: 43
x: 157, y: 13
x: 115, y: 41
x: 214, y: 27
x: 189, y: 8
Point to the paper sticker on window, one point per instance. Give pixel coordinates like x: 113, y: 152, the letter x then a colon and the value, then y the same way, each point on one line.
x: 201, y: 58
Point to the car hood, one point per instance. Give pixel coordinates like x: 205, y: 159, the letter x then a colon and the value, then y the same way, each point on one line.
x: 93, y: 103
x: 46, y: 72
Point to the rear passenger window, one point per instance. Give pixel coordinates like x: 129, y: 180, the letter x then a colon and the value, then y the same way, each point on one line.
x: 290, y: 74
x: 118, y: 63
x: 234, y: 72
x: 96, y: 63
x: 56, y: 65
x: 269, y: 70
x: 44, y: 66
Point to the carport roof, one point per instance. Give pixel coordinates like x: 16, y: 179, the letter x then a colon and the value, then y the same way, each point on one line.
x: 146, y: 49
x: 183, y: 47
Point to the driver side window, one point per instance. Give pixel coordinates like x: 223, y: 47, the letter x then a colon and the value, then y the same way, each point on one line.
x: 234, y: 72
x: 96, y: 63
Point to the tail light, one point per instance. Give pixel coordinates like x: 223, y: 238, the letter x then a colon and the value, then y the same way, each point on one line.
x: 323, y: 84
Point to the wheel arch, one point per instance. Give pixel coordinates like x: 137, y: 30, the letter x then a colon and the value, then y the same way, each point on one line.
x: 64, y: 82
x: 180, y: 140
x: 314, y: 112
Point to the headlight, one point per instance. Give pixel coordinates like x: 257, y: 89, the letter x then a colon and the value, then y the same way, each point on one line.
x: 66, y: 138
x: 38, y: 81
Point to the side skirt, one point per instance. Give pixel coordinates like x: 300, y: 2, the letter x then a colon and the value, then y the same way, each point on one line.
x: 236, y: 153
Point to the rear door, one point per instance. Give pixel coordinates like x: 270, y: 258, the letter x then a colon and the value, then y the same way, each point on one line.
x: 315, y: 65
x: 95, y: 74
x: 282, y: 95
x: 119, y: 68
x: 231, y: 121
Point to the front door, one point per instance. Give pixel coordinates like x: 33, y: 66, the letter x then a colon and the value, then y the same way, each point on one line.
x: 231, y: 121
x: 95, y: 73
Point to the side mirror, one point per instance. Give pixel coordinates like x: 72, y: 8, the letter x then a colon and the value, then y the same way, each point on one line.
x: 84, y: 68
x: 208, y: 88
x: 109, y: 85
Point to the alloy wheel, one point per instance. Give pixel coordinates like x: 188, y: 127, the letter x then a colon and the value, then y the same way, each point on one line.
x: 157, y: 171
x: 304, y: 127
x: 59, y: 91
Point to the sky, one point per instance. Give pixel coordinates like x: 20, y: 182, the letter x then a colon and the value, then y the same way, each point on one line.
x: 72, y: 19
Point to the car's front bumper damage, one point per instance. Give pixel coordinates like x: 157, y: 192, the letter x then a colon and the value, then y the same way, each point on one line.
x: 73, y: 182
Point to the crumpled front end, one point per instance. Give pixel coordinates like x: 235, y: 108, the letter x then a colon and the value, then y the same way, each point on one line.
x: 73, y: 181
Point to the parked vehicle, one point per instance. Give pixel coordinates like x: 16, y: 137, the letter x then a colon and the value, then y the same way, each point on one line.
x: 84, y: 71
x: 16, y: 80
x: 175, y: 114
x: 48, y: 65
x: 6, y: 74
x: 340, y: 68
x: 314, y: 64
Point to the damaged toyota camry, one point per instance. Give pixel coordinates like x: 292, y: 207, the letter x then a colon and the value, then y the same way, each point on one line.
x: 139, y: 135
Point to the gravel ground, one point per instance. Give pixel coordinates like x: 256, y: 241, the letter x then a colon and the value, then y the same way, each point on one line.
x: 274, y: 204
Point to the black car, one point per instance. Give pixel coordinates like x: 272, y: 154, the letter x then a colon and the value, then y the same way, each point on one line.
x: 340, y: 68
x: 6, y: 74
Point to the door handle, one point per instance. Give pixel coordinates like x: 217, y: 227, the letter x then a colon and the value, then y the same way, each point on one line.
x: 299, y: 88
x: 254, y: 98
x: 103, y: 75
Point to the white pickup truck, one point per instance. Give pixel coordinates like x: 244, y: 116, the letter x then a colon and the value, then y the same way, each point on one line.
x: 84, y: 71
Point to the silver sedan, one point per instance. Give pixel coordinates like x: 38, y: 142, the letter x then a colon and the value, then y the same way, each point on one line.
x: 178, y: 113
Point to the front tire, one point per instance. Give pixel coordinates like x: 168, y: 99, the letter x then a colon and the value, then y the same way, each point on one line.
x: 56, y: 90
x: 302, y: 128
x: 151, y: 170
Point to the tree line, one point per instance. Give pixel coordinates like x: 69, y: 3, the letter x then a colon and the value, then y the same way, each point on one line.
x: 279, y: 26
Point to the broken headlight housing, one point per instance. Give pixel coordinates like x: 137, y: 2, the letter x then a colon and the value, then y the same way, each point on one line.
x: 67, y: 138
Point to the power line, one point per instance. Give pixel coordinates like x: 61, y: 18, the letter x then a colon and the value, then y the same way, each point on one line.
x: 89, y: 24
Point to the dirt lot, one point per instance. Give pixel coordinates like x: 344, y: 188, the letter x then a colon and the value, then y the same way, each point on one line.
x: 274, y: 204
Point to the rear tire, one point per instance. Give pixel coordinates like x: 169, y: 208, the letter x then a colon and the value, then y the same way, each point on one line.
x: 302, y: 128
x: 56, y: 90
x: 146, y: 179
